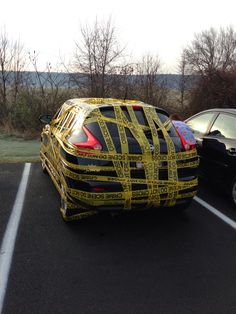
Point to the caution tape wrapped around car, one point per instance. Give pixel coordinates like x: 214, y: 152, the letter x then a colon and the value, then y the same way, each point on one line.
x: 121, y: 164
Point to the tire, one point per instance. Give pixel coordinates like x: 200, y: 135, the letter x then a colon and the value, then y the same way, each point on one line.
x: 66, y: 213
x: 63, y: 206
x: 43, y: 164
x: 69, y: 214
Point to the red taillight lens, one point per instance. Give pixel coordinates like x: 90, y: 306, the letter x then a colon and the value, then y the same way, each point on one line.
x: 91, y: 143
x: 186, y: 145
x: 137, y: 107
x: 98, y: 189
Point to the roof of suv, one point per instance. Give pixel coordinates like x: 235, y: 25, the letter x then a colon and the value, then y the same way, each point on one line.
x: 89, y: 103
x: 102, y: 101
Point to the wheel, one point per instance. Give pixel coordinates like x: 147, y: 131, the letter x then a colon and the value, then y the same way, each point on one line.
x: 63, y: 207
x: 70, y: 214
x: 67, y: 214
x: 233, y: 192
x: 43, y: 163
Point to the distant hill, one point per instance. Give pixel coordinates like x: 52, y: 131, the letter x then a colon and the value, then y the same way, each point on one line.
x: 66, y: 80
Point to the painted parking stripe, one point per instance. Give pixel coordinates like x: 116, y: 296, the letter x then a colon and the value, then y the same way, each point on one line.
x: 216, y: 212
x: 9, y: 238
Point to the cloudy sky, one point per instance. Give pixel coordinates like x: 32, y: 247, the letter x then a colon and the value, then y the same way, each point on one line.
x: 164, y: 27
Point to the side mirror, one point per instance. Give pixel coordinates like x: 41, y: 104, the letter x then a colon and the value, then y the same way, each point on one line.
x: 45, y: 118
x: 215, y: 133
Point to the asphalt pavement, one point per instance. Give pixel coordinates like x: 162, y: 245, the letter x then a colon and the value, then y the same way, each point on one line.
x: 146, y: 262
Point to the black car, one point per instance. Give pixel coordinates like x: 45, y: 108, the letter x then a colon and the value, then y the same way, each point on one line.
x: 215, y: 132
x: 110, y: 154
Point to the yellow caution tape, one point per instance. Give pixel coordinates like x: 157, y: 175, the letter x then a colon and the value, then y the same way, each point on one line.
x: 152, y: 160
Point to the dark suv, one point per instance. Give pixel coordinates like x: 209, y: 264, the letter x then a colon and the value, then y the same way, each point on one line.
x: 109, y: 154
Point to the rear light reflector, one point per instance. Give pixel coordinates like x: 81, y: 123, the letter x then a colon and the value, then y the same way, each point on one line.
x: 98, y: 189
x: 91, y: 143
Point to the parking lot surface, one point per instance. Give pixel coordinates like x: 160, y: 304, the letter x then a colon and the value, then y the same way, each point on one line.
x: 145, y: 262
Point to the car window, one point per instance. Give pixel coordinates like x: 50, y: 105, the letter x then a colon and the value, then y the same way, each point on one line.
x: 225, y: 126
x: 58, y: 117
x: 62, y: 123
x: 59, y: 112
x: 109, y: 112
x: 200, y: 124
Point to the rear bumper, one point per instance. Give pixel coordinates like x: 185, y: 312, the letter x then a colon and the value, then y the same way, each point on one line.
x: 115, y: 199
x: 96, y: 185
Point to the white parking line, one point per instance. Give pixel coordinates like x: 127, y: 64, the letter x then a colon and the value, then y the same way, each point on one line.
x: 9, y: 238
x: 216, y: 212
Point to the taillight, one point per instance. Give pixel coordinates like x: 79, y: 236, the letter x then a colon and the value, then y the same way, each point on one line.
x: 137, y: 107
x: 97, y: 189
x: 186, y: 145
x: 91, y: 143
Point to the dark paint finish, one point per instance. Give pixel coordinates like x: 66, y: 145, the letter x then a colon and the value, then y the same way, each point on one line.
x: 64, y: 131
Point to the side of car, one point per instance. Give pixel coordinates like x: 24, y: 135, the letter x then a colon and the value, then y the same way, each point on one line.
x: 53, y: 132
x: 215, y: 133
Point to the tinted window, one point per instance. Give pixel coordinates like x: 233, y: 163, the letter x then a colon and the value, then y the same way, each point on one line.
x: 70, y: 121
x: 200, y: 123
x: 225, y: 125
x: 61, y: 124
x: 59, y: 112
x: 109, y: 112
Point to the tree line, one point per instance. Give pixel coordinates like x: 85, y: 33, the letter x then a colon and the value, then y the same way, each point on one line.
x: 101, y: 67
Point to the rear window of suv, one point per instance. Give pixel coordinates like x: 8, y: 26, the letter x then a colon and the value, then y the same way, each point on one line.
x: 109, y: 113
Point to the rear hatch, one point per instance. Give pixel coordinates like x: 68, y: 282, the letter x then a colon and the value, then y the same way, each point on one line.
x: 124, y: 131
x: 105, y: 131
x: 108, y: 115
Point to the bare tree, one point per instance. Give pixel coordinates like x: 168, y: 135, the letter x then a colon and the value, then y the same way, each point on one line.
x: 51, y: 85
x: 147, y: 85
x: 18, y: 67
x: 212, y: 59
x: 40, y: 75
x: 97, y: 57
x: 5, y: 64
x: 11, y: 66
x: 121, y: 82
x: 212, y: 50
x: 184, y: 81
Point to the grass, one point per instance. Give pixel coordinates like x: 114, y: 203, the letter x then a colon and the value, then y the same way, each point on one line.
x: 15, y: 149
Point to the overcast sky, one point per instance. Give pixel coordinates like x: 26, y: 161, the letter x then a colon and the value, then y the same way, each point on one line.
x: 160, y: 27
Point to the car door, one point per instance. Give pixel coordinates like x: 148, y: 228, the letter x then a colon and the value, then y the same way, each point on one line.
x: 219, y: 148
